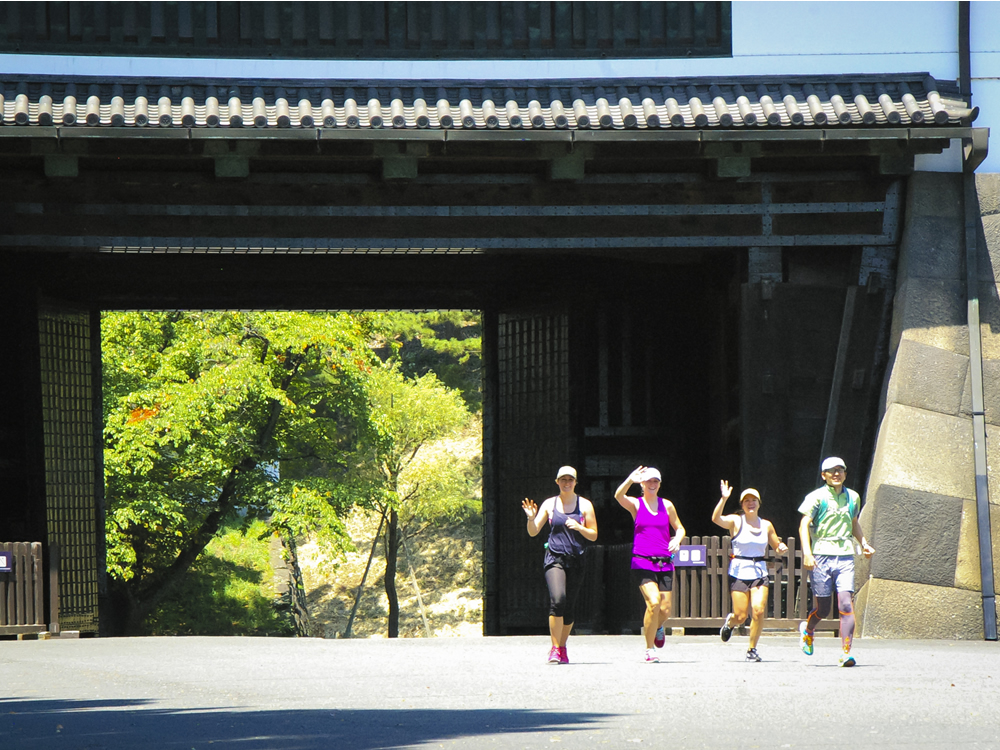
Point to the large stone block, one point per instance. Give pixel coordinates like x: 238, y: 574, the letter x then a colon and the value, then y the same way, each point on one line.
x: 989, y: 249
x: 935, y: 194
x: 932, y: 247
x: 988, y: 188
x: 916, y: 535
x: 928, y: 378
x: 967, y: 571
x: 924, y: 450
x: 931, y: 312
x: 989, y: 319
x: 993, y: 462
x: 899, y: 609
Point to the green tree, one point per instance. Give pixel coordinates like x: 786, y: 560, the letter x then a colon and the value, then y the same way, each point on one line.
x: 446, y: 342
x: 199, y: 409
x: 411, y: 414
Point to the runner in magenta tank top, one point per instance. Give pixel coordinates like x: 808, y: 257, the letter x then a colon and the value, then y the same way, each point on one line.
x: 658, y: 535
x: 651, y: 543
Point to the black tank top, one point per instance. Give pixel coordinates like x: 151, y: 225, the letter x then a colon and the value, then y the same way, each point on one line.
x: 562, y: 540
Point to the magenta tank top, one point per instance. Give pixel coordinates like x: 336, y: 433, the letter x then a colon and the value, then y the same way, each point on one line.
x: 652, y: 538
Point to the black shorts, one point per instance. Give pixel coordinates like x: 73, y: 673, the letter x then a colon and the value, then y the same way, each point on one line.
x: 738, y: 584
x: 664, y: 579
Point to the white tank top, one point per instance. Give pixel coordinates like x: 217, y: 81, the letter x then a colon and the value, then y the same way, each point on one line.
x: 748, y: 542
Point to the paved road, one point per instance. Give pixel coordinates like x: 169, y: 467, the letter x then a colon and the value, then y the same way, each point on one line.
x: 256, y: 693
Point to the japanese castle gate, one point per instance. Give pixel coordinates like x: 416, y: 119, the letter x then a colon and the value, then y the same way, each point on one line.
x: 694, y: 274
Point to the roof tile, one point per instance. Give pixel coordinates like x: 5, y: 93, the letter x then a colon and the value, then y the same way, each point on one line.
x: 863, y: 101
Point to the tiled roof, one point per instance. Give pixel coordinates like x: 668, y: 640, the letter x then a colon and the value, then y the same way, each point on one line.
x: 914, y: 100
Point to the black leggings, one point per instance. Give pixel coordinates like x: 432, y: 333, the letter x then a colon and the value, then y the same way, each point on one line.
x: 564, y: 590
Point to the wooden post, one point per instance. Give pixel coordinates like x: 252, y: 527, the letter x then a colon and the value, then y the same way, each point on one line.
x: 37, y: 585
x: 4, y: 577
x: 712, y: 568
x: 20, y: 568
x: 54, y: 589
x: 699, y: 575
x: 791, y: 592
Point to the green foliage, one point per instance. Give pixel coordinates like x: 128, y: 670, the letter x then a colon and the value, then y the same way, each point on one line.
x: 408, y: 414
x: 227, y: 591
x: 446, y: 342
x: 199, y: 409
x: 443, y: 483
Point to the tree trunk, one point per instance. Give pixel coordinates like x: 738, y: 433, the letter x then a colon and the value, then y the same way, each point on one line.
x: 391, y: 554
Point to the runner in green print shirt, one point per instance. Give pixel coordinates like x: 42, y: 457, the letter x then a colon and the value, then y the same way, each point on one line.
x: 828, y: 529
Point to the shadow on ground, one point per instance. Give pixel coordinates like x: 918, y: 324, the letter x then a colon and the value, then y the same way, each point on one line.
x: 131, y: 724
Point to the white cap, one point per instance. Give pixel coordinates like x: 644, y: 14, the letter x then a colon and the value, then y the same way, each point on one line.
x: 833, y: 461
x: 651, y: 473
x: 749, y: 492
x: 566, y: 471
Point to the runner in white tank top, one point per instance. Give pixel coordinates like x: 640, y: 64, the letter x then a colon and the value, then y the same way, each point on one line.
x: 747, y: 568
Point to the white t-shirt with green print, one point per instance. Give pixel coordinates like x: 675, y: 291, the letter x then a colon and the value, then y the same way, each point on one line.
x: 832, y: 514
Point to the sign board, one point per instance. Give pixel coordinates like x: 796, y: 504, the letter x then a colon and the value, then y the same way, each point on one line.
x: 6, y: 561
x: 691, y: 555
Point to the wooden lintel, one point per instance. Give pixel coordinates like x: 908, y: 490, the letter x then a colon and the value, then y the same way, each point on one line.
x: 730, y: 167
x: 897, y: 163
x: 399, y: 167
x: 568, y: 167
x: 62, y: 165
x: 231, y: 166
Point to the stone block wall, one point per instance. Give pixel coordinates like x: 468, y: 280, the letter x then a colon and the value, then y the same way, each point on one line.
x: 920, y: 509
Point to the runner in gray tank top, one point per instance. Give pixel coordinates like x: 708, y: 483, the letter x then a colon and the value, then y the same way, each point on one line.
x: 747, y: 568
x: 572, y: 524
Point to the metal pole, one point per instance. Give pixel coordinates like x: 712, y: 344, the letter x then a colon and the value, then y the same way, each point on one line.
x: 978, y: 409
x: 965, y: 50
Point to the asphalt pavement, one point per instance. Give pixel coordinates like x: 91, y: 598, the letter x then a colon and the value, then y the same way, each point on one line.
x: 256, y: 693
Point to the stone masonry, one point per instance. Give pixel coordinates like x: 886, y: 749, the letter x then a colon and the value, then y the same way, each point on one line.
x: 920, y: 509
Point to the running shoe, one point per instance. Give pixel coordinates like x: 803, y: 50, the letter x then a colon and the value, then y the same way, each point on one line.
x: 805, y: 640
x: 752, y: 655
x: 725, y: 632
x: 554, y: 655
x: 651, y: 657
x: 847, y: 660
x: 563, y: 656
x: 660, y: 638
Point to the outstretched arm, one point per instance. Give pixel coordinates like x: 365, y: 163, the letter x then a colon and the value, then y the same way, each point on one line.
x: 624, y: 500
x: 675, y: 523
x: 866, y: 549
x: 537, y: 518
x: 808, y: 563
x: 776, y: 544
x: 726, y: 522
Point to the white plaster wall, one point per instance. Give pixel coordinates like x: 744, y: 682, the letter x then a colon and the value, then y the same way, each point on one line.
x: 985, y: 43
x: 769, y: 38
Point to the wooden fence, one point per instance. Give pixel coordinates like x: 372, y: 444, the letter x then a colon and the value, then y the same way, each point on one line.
x: 701, y: 596
x: 22, y: 590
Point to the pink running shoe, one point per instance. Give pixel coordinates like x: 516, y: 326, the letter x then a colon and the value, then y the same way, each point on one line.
x: 563, y: 656
x: 660, y: 638
x: 554, y: 657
